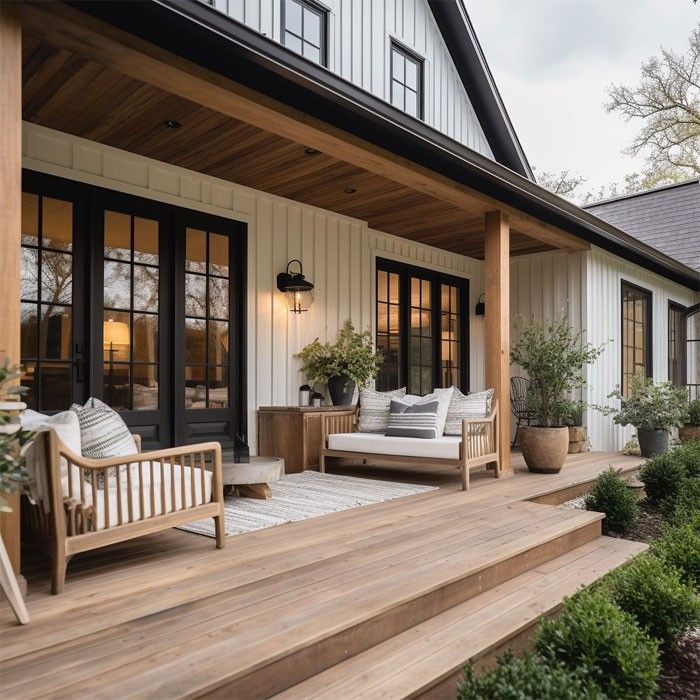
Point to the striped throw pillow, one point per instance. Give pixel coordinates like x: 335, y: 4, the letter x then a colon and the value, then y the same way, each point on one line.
x: 476, y: 405
x: 103, y: 433
x: 416, y: 420
x: 374, y: 409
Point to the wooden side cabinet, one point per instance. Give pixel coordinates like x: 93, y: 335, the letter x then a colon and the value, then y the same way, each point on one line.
x: 293, y: 433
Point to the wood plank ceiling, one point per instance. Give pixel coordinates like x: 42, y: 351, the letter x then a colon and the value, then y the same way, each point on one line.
x: 70, y: 93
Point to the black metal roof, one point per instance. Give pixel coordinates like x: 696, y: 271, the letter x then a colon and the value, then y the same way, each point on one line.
x: 666, y: 218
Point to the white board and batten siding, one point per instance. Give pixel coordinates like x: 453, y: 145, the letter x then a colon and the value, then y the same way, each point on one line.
x: 359, y: 50
x: 604, y: 320
x: 338, y: 254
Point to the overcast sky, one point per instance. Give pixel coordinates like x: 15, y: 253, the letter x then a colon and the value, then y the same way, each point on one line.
x: 553, y: 61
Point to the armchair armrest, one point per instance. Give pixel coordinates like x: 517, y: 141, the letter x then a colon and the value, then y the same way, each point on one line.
x: 480, y: 435
x: 338, y: 422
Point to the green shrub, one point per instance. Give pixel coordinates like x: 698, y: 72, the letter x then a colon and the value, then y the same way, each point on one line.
x: 662, y: 476
x: 652, y: 592
x: 679, y: 548
x: 611, y: 495
x: 686, y: 505
x: 516, y: 678
x: 595, y: 637
x: 689, y: 456
x: 693, y: 413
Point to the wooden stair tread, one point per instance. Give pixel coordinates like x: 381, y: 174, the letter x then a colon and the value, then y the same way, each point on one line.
x: 411, y: 662
x: 254, y: 622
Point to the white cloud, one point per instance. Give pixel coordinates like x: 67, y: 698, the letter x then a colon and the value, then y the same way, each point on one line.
x: 553, y: 61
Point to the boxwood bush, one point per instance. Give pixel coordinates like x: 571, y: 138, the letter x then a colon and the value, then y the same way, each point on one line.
x: 685, y: 508
x: 611, y: 495
x: 679, y: 548
x: 662, y: 476
x: 593, y: 636
x: 516, y: 678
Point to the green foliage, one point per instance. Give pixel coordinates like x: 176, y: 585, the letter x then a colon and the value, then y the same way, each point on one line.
x: 686, y: 506
x: 351, y: 356
x: 516, y: 678
x: 688, y: 454
x: 664, y: 475
x: 650, y: 406
x: 611, y: 495
x: 653, y: 592
x: 553, y: 355
x: 679, y: 548
x: 594, y: 637
x: 693, y: 413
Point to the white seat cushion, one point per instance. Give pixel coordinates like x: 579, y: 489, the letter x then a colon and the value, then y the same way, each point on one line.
x: 444, y: 447
x: 158, y: 503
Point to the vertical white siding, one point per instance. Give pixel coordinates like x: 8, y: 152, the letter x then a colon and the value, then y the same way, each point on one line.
x: 604, y: 320
x: 359, y: 35
x: 338, y: 254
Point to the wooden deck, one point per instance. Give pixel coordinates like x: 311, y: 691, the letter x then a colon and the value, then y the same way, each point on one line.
x: 387, y: 600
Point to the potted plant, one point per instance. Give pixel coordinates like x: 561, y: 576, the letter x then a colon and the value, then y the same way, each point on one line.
x: 578, y: 435
x: 553, y: 355
x: 690, y: 430
x: 342, y: 365
x: 653, y: 409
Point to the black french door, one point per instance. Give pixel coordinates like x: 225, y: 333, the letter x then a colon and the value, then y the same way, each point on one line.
x: 135, y: 302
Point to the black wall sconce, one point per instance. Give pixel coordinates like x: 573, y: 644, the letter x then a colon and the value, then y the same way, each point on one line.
x: 480, y: 309
x: 298, y: 291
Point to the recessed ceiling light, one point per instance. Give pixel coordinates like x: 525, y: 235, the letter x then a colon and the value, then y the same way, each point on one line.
x: 172, y: 124
x: 311, y: 151
x: 349, y: 190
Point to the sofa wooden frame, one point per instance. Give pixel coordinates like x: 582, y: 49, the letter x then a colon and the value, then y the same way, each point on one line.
x: 67, y: 525
x: 478, y: 447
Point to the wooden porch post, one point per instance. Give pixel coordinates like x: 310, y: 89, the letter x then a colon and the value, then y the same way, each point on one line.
x: 10, y: 217
x: 497, y: 320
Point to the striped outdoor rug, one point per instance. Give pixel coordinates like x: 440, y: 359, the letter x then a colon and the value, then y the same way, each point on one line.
x: 301, y: 496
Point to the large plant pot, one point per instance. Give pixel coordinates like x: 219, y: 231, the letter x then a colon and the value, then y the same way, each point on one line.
x: 544, y: 449
x: 578, y: 435
x: 652, y: 442
x: 689, y: 432
x: 341, y: 390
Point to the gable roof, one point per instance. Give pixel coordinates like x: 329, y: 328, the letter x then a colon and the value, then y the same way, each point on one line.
x: 666, y: 218
x: 456, y: 28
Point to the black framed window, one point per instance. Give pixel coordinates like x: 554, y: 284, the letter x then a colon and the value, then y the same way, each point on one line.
x: 636, y: 334
x: 406, y: 80
x: 676, y: 344
x: 422, y: 328
x: 305, y: 29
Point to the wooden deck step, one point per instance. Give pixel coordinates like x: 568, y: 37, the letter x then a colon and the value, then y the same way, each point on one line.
x: 427, y: 659
x: 248, y: 631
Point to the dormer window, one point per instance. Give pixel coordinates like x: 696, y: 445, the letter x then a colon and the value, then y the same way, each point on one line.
x: 304, y: 29
x: 406, y: 80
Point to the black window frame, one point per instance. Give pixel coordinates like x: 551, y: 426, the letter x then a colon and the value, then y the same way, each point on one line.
x: 419, y: 61
x: 436, y: 278
x: 680, y: 343
x: 322, y: 13
x: 648, y: 331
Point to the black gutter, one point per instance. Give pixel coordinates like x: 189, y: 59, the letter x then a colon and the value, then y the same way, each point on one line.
x: 213, y: 40
x: 461, y: 40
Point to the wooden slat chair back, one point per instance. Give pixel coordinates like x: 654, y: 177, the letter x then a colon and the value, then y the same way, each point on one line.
x: 519, y: 388
x: 147, y: 492
x: 478, y: 447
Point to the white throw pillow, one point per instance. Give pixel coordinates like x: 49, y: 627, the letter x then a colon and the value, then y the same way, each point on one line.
x: 476, y: 405
x: 444, y: 396
x: 374, y: 409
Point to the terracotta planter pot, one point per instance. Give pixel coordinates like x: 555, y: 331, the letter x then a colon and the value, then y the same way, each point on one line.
x: 544, y: 449
x: 578, y: 435
x: 689, y: 432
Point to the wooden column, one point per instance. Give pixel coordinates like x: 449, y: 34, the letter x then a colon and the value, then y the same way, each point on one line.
x: 497, y: 320
x: 10, y: 215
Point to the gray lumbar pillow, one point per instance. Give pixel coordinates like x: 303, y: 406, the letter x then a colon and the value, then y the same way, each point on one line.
x: 476, y: 405
x: 416, y: 420
x: 374, y: 409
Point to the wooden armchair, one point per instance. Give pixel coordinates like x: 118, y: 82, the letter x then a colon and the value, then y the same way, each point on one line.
x: 478, y: 446
x: 133, y: 496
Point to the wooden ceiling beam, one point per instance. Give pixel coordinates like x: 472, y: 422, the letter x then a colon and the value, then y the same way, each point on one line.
x: 68, y: 28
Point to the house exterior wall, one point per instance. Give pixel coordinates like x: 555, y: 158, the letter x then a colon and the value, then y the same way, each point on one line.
x: 338, y: 254
x: 359, y: 50
x: 604, y: 320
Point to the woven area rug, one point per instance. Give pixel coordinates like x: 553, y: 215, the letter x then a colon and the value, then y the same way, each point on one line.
x: 302, y: 496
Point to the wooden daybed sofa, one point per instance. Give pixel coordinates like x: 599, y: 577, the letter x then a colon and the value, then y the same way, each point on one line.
x: 476, y: 447
x: 146, y: 492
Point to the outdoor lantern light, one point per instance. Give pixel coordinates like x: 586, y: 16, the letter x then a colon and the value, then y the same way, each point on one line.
x: 480, y: 306
x: 298, y: 291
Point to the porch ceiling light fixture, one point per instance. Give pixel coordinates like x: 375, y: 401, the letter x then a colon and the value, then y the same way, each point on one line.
x: 480, y: 309
x: 349, y: 190
x: 172, y: 124
x: 298, y: 291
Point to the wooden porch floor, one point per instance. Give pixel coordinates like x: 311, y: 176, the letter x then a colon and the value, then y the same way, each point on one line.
x: 320, y: 604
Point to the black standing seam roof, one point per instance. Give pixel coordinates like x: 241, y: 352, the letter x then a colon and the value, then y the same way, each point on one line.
x: 205, y: 36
